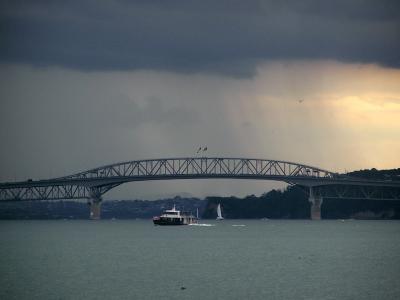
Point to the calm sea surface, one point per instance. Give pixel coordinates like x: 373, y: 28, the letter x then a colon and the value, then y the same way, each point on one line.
x: 260, y: 260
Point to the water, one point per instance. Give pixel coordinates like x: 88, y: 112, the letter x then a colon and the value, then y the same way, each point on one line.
x: 260, y: 260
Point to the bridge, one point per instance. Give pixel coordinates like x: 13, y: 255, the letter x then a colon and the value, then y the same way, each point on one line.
x: 92, y: 184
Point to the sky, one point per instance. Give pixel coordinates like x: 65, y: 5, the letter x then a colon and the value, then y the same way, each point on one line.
x: 89, y: 83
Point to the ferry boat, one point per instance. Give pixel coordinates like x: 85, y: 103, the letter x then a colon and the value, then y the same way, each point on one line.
x: 174, y: 217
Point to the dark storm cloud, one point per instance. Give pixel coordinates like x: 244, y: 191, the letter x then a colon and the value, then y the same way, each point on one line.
x: 228, y: 37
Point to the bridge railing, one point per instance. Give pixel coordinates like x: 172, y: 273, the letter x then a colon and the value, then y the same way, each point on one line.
x: 45, y: 192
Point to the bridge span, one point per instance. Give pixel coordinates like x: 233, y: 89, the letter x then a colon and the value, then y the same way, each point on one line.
x: 92, y: 184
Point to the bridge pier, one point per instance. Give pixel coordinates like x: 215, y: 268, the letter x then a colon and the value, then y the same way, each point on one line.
x: 95, y: 207
x: 316, y: 202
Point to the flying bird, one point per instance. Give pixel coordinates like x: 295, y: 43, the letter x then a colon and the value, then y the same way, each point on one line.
x: 205, y: 149
x: 301, y: 101
x: 198, y: 150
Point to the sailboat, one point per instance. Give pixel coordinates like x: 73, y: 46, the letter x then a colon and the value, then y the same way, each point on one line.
x: 219, y: 214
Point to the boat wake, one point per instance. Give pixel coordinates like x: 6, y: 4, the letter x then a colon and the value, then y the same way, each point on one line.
x: 205, y: 225
x: 238, y: 225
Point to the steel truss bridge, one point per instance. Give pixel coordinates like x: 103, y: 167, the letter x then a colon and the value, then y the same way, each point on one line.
x: 92, y: 184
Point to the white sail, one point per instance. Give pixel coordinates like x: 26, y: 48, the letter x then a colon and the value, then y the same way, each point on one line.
x: 219, y: 213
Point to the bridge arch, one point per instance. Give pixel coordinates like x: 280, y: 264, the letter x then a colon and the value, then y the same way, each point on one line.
x: 202, y: 167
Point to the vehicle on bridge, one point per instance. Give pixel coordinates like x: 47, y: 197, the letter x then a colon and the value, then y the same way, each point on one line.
x: 175, y: 217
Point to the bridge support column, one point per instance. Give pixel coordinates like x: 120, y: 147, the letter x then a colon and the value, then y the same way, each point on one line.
x: 316, y: 202
x: 95, y: 207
